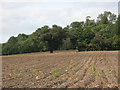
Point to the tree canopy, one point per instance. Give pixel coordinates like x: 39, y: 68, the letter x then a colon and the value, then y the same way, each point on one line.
x: 88, y: 35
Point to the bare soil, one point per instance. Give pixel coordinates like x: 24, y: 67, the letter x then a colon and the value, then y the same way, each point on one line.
x: 61, y: 69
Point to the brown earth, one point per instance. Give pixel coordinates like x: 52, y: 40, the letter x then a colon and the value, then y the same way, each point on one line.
x: 61, y: 69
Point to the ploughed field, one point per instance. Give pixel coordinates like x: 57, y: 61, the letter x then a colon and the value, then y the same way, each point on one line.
x: 61, y: 69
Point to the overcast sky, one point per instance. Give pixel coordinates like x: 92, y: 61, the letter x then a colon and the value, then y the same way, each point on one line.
x: 26, y: 16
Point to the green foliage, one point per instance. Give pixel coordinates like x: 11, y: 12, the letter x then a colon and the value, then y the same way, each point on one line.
x: 67, y: 45
x: 56, y: 74
x: 106, y: 18
x: 34, y: 70
x: 70, y: 65
x: 38, y: 59
x: 12, y: 40
x: 0, y: 49
x: 100, y: 34
x: 110, y: 72
x: 22, y: 37
x: 54, y: 37
x: 18, y: 74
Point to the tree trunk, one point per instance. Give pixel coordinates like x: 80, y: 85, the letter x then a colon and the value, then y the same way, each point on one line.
x: 51, y: 51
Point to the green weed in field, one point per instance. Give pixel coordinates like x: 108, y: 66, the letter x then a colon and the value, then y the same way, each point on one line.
x: 34, y: 70
x: 110, y: 72
x: 90, y: 68
x: 38, y: 59
x: 98, y: 73
x: 18, y: 74
x: 56, y: 74
x: 70, y: 65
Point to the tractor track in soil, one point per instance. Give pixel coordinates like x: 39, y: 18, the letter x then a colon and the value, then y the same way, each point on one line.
x: 88, y: 69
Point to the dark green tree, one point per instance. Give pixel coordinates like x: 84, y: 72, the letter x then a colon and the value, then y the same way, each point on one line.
x: 53, y: 37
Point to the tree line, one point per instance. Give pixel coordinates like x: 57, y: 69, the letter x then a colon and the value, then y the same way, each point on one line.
x: 88, y: 35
